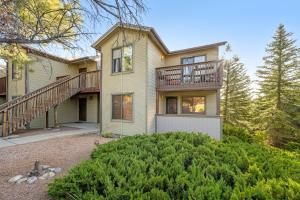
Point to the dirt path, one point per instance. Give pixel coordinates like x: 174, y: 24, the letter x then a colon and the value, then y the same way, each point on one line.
x: 62, y: 152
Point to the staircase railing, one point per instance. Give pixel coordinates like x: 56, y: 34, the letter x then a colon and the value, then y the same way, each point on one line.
x: 18, y: 99
x: 20, y: 111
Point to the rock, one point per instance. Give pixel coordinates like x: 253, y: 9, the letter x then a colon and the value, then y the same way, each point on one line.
x: 15, y: 178
x: 21, y: 180
x: 47, y: 175
x: 44, y: 167
x: 51, y: 174
x: 31, y: 180
x: 55, y: 169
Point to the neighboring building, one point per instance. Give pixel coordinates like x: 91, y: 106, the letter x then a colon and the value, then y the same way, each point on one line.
x: 45, y: 69
x: 143, y: 87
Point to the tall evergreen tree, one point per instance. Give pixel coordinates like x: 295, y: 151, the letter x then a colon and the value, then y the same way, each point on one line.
x: 278, y: 101
x: 236, y: 98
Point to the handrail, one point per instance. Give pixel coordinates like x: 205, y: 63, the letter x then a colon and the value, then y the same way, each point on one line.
x: 202, y: 75
x: 197, y: 63
x: 17, y: 113
x: 30, y: 93
x: 43, y: 89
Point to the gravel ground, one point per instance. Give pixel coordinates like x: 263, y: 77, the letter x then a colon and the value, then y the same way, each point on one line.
x: 63, y: 152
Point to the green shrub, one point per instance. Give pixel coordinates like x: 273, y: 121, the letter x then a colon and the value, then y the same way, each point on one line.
x: 292, y: 146
x: 107, y: 134
x: 182, y: 166
x: 239, y: 132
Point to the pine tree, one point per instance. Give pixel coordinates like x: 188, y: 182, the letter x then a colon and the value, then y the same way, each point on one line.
x: 278, y: 101
x: 236, y: 98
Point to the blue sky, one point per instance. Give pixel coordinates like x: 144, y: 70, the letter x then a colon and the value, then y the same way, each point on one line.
x: 247, y: 25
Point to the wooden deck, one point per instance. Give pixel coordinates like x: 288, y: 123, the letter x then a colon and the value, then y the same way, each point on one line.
x: 196, y: 76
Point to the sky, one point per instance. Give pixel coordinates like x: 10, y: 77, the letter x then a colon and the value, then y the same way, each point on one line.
x: 247, y: 25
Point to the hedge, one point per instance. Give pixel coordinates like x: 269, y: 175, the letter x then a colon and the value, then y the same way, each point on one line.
x: 182, y: 166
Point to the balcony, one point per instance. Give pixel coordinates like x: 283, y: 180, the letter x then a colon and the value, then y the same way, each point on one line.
x: 2, y: 86
x: 196, y: 76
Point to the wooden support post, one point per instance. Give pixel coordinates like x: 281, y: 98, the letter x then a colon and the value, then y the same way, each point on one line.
x: 47, y: 119
x: 55, y: 116
x: 5, y: 127
x: 218, y: 98
x: 157, y: 102
x: 98, y: 107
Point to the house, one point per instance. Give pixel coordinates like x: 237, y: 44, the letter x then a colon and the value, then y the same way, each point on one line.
x: 43, y: 72
x: 144, y: 87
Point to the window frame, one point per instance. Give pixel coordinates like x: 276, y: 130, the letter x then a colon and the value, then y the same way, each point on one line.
x: 182, y: 58
x: 194, y: 113
x: 132, y: 106
x: 171, y: 97
x: 16, y: 74
x: 121, y: 60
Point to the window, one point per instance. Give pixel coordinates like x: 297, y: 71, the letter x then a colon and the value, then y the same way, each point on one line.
x: 122, y: 107
x: 193, y: 105
x: 16, y: 72
x: 193, y: 59
x: 122, y: 59
x: 116, y: 60
x: 171, y: 105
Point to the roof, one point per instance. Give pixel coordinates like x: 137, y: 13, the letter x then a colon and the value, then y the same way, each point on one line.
x: 83, y: 59
x: 57, y: 58
x: 155, y: 37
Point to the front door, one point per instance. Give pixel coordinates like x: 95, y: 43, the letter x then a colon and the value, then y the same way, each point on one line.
x: 82, y: 109
x: 171, y: 107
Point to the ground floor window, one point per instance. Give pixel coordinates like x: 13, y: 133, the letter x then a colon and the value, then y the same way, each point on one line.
x: 122, y: 106
x: 171, y: 105
x: 193, y: 105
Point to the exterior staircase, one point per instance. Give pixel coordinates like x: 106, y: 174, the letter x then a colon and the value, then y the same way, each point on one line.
x: 16, y: 113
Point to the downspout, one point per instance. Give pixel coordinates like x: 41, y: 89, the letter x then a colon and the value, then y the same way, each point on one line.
x: 6, y: 96
x: 146, y: 89
x: 100, y: 95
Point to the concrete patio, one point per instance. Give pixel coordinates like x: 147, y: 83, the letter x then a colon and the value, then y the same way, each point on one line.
x: 69, y: 129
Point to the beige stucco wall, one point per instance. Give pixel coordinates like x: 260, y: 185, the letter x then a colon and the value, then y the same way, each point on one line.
x: 125, y: 83
x: 43, y: 71
x: 155, y: 59
x: 2, y: 71
x: 15, y: 87
x: 210, y: 100
x: 211, y: 54
x: 89, y: 65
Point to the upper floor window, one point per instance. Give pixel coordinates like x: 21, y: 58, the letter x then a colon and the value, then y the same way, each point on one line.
x: 122, y: 59
x: 16, y: 72
x: 193, y: 59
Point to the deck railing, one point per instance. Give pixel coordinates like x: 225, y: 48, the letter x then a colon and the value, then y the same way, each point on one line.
x: 16, y: 113
x: 204, y: 75
x: 2, y: 85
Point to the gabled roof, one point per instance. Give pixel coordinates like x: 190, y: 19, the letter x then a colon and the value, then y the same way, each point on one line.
x: 57, y: 58
x: 155, y: 37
